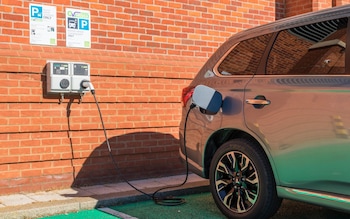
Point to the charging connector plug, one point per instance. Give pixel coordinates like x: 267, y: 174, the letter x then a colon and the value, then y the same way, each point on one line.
x: 87, y: 84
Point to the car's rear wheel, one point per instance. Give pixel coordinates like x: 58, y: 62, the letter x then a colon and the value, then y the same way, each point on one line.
x: 242, y: 182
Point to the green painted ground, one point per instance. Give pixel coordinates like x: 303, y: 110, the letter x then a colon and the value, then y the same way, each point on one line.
x: 202, y: 206
x: 87, y: 214
x: 199, y: 206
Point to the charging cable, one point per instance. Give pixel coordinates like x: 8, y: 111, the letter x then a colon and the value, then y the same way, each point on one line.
x: 168, y: 201
x: 172, y: 201
x: 88, y: 84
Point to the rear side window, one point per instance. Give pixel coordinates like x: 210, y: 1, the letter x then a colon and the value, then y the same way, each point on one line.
x: 313, y: 49
x: 244, y: 57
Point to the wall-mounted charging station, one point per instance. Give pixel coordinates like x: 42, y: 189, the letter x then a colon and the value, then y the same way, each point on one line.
x: 65, y: 77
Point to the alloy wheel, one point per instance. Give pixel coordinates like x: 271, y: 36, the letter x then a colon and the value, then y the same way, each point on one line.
x: 236, y: 181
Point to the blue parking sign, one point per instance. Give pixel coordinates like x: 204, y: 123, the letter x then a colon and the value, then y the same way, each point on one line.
x: 84, y: 24
x: 36, y: 11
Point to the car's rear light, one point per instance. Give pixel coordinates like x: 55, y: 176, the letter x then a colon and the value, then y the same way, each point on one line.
x: 186, y: 95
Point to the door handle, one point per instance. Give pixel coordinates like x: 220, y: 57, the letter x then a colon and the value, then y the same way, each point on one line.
x: 257, y: 102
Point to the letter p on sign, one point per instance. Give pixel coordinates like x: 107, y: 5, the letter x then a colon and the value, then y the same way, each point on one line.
x: 36, y: 11
x: 83, y: 24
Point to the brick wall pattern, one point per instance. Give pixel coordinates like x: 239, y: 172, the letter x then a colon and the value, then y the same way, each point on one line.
x: 143, y: 52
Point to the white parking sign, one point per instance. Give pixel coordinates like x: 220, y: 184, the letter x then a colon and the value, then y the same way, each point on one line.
x: 42, y: 24
x: 78, y: 33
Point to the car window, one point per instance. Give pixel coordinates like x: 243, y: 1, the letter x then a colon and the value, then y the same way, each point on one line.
x: 317, y: 48
x: 244, y: 57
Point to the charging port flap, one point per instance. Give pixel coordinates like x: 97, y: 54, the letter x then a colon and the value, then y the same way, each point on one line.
x: 207, y: 98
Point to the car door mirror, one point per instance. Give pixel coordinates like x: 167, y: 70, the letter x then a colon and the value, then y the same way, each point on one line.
x: 207, y: 99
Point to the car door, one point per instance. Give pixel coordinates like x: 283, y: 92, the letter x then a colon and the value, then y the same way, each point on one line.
x: 300, y: 107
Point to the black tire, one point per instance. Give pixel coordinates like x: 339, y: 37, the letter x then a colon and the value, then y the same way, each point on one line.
x: 248, y: 189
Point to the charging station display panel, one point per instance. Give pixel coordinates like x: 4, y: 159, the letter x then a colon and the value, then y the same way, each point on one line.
x: 60, y: 68
x: 58, y: 78
x: 81, y: 69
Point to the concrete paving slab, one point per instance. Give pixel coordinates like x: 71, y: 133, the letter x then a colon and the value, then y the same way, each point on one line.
x: 147, y: 183
x: 74, y: 192
x: 15, y: 200
x: 173, y: 180
x: 99, y: 189
x: 46, y: 196
x: 119, y: 187
x: 40, y: 204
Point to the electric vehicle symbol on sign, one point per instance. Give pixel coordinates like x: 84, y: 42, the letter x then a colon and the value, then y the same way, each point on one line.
x: 73, y: 23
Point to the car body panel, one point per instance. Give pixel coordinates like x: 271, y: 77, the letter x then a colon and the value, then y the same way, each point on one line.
x: 305, y: 128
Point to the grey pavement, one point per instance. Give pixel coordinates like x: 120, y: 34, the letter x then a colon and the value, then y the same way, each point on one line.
x: 41, y: 204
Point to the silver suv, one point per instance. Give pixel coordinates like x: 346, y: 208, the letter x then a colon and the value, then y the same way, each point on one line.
x: 268, y: 116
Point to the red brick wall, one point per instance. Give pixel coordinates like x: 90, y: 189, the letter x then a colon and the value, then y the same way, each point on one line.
x: 280, y: 9
x: 142, y: 54
x: 295, y: 7
x: 340, y: 2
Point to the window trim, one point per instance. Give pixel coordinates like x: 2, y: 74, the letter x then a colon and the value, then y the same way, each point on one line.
x: 347, y: 49
x: 216, y: 66
x: 261, y: 64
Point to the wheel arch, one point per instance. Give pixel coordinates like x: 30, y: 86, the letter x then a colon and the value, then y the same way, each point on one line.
x: 221, y: 136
